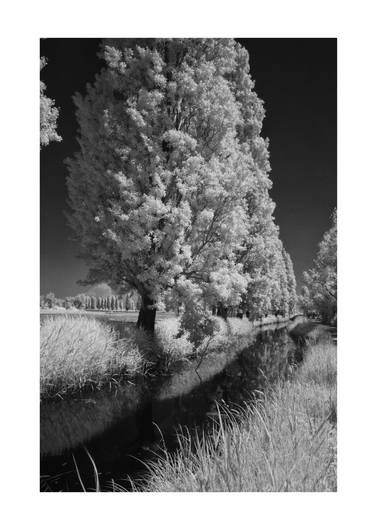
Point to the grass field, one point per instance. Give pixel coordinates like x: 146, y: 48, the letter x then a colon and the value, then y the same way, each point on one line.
x: 285, y: 441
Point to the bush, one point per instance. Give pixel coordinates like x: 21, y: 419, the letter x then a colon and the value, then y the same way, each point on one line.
x: 199, y: 325
x: 80, y: 352
x: 239, y: 326
x: 172, y: 347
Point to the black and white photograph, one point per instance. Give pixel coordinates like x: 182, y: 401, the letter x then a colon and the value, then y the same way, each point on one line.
x: 188, y: 303
x: 187, y: 260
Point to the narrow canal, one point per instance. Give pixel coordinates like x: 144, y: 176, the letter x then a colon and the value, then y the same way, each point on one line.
x: 121, y: 429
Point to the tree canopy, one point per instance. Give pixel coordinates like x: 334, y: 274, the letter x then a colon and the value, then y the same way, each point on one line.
x: 169, y: 190
x: 319, y: 292
x: 48, y: 114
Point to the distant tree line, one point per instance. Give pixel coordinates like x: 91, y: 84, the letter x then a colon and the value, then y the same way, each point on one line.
x: 125, y: 302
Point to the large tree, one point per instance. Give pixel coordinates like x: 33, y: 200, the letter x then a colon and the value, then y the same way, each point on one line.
x: 170, y: 150
x: 319, y: 292
x: 48, y: 114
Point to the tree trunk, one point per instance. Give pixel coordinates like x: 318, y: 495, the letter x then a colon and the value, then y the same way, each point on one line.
x: 146, y: 317
x: 222, y: 311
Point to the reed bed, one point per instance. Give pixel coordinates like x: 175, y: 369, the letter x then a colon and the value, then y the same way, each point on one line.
x: 284, y: 441
x: 79, y: 352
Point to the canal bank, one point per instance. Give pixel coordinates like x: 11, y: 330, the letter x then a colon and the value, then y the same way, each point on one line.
x: 118, y: 429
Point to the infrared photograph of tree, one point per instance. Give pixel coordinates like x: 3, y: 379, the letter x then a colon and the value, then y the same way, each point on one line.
x: 188, y: 264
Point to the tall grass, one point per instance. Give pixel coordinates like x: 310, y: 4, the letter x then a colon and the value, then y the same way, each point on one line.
x: 284, y: 441
x: 77, y: 353
x: 80, y: 352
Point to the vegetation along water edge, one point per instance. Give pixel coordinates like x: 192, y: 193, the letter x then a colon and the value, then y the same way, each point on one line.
x: 79, y: 353
x: 284, y: 441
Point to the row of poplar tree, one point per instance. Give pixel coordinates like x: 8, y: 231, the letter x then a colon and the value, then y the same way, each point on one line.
x: 169, y: 192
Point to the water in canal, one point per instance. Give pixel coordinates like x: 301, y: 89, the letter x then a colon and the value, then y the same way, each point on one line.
x: 119, y: 430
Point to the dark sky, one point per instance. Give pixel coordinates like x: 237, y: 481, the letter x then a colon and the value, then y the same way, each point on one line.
x: 297, y: 80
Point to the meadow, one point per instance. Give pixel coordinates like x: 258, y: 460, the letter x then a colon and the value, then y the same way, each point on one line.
x: 283, y: 441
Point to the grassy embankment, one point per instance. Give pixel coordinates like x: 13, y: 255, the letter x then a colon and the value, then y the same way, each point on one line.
x: 84, y: 353
x: 285, y: 441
